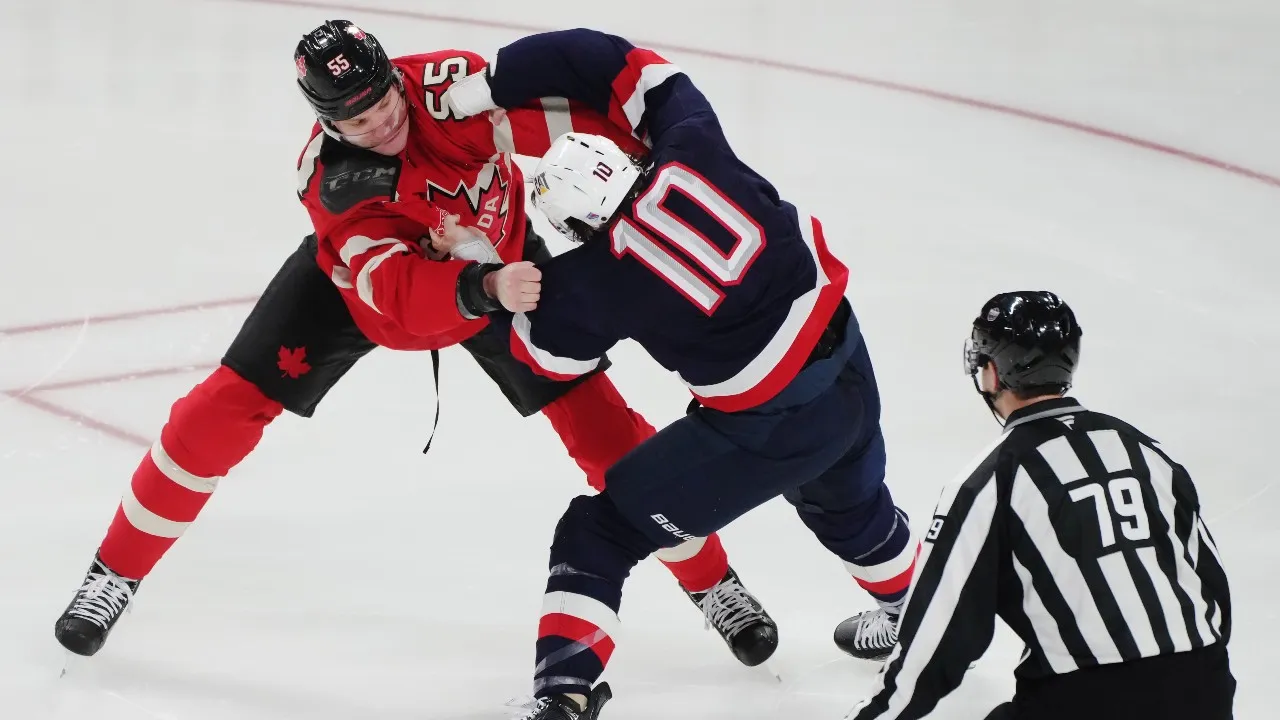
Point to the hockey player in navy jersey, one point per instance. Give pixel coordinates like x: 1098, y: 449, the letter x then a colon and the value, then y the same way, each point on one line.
x: 694, y: 256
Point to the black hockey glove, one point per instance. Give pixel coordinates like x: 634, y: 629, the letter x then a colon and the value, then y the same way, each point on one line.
x: 473, y: 301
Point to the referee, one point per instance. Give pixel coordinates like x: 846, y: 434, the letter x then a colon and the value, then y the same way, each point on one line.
x: 1078, y: 531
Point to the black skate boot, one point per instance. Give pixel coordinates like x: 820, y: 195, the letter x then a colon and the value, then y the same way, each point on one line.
x: 561, y: 707
x: 869, y: 635
x: 739, y: 618
x: 98, y: 604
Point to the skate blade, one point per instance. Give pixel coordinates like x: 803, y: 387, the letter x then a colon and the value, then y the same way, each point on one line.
x: 73, y: 665
x: 74, y: 693
x: 768, y: 667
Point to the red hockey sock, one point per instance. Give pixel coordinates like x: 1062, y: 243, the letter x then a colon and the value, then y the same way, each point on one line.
x: 698, y: 564
x: 210, y: 430
x: 596, y: 426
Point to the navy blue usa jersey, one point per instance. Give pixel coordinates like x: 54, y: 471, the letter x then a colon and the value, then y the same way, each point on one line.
x: 718, y: 278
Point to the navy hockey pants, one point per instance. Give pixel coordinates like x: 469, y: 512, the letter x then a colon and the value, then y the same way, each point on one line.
x: 818, y: 442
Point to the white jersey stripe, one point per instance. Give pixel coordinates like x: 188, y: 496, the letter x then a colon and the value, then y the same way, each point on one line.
x: 1123, y: 587
x: 1115, y: 458
x: 651, y: 76
x: 364, y: 278
x: 555, y: 111
x: 1062, y: 460
x: 1043, y: 624
x: 1162, y: 482
x: 310, y: 158
x: 360, y: 244
x: 1169, y: 604
x: 758, y: 369
x: 938, y: 616
x: 553, y: 364
x: 1030, y: 507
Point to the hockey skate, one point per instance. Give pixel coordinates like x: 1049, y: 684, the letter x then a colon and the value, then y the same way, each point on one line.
x: 869, y: 635
x: 561, y: 707
x: 97, y: 605
x: 739, y: 618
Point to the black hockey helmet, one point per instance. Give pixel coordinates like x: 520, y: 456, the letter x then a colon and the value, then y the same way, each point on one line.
x: 342, y: 70
x: 1033, y: 338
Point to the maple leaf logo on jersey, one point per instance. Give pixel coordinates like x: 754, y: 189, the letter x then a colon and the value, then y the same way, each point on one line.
x: 487, y: 199
x: 473, y: 193
x: 293, y: 363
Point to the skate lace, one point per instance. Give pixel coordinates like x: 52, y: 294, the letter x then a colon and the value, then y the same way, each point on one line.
x: 729, y: 607
x: 102, y: 597
x: 880, y: 630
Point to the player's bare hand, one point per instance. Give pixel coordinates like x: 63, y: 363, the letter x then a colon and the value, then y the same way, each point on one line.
x: 460, y: 242
x: 447, y: 234
x: 517, y: 286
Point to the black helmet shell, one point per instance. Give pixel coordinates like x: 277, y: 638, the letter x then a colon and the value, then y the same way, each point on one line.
x: 342, y: 70
x: 1033, y: 338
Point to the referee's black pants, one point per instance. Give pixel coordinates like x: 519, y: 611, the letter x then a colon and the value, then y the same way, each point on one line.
x: 1195, y: 685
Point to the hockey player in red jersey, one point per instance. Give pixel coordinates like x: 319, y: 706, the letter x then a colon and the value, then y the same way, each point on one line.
x: 387, y: 169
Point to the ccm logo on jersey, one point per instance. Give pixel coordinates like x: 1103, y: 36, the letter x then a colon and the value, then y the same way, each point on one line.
x: 379, y: 179
x: 669, y: 526
x: 935, y: 529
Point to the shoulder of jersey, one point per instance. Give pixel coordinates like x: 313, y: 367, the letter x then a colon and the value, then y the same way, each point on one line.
x: 339, y: 177
x: 415, y: 64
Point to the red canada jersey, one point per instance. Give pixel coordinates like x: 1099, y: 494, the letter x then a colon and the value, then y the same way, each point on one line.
x: 372, y: 212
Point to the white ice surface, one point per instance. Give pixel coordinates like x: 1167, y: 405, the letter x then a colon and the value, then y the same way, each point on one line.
x: 149, y: 148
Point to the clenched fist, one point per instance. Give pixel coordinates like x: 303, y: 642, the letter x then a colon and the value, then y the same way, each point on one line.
x: 517, y: 286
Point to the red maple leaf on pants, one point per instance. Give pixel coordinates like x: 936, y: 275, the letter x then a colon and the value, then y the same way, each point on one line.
x: 294, y: 362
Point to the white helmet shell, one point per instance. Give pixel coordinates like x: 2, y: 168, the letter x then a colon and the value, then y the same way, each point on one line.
x: 582, y: 177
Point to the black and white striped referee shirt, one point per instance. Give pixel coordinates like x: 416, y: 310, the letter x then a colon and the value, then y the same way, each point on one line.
x: 1082, y: 535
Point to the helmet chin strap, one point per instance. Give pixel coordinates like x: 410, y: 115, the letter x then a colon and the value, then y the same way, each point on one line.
x: 990, y: 398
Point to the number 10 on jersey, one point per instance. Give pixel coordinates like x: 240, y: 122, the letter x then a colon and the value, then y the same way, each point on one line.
x: 724, y: 269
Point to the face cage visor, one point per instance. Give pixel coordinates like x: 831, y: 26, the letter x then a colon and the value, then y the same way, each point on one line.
x: 973, y: 358
x: 391, y: 122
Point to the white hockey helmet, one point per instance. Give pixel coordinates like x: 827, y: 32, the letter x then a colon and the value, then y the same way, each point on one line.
x: 584, y: 178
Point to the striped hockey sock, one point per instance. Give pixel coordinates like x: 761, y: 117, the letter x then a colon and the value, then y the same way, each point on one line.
x: 576, y: 632
x: 698, y: 563
x: 210, y: 430
x: 886, y: 572
x: 161, y: 502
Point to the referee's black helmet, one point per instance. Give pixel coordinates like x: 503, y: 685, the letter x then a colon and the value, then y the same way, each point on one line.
x: 1031, y: 336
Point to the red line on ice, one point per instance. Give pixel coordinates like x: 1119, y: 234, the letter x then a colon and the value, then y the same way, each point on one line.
x: 840, y: 75
x: 127, y: 315
x: 941, y: 96
x: 79, y: 418
x: 119, y: 377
